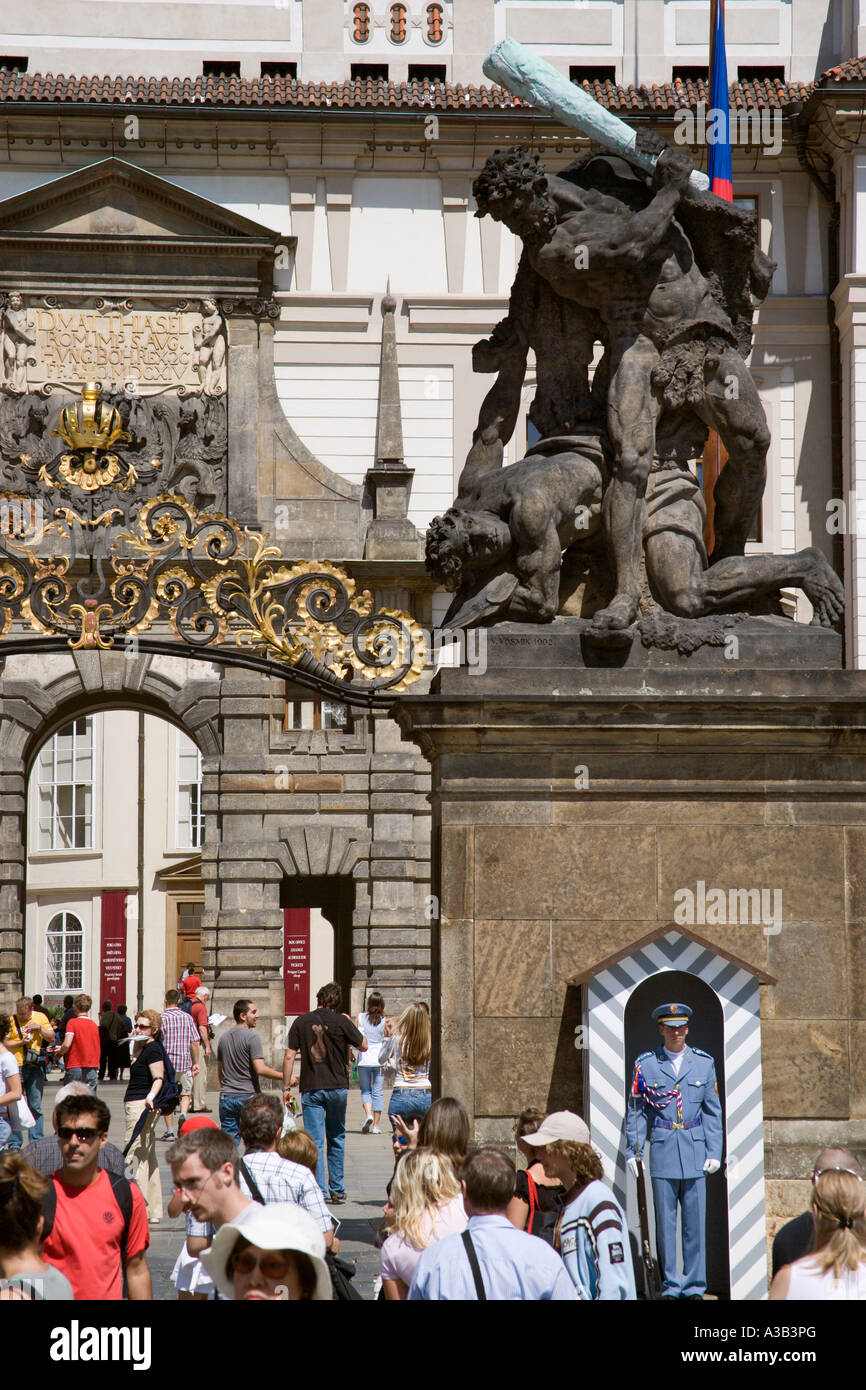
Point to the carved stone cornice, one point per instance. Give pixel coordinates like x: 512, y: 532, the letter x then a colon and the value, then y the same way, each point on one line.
x: 252, y: 308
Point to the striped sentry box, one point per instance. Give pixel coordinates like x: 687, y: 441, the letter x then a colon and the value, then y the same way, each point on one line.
x: 737, y: 985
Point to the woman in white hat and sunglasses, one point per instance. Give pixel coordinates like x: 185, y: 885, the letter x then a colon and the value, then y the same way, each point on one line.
x: 269, y: 1254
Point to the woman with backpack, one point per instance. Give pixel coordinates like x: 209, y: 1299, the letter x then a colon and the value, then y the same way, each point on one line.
x: 146, y: 1078
x: 537, y: 1201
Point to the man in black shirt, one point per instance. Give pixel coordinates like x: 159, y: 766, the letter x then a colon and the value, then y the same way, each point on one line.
x: 68, y: 1013
x: 323, y: 1038
x: 794, y: 1240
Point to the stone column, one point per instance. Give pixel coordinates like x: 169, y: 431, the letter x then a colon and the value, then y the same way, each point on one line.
x: 850, y: 519
x: 245, y: 933
x: 243, y: 416
x: 13, y: 857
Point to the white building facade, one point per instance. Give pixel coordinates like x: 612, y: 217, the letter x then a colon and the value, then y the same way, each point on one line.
x: 108, y: 893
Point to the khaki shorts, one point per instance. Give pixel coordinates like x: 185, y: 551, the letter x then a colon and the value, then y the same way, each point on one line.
x: 184, y: 1081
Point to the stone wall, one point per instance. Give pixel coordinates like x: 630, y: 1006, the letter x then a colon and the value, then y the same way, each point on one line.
x: 563, y: 827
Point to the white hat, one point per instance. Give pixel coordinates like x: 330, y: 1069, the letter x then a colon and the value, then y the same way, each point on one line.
x: 279, y: 1226
x: 562, y: 1124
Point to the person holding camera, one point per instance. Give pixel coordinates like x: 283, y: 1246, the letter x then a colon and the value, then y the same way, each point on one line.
x: 28, y: 1035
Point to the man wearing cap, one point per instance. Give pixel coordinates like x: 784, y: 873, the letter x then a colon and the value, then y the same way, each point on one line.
x: 675, y: 1096
x: 593, y: 1231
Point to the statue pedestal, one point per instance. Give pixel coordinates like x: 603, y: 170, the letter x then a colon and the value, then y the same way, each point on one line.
x: 574, y: 811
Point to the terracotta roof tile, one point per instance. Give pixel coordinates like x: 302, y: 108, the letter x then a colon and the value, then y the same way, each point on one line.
x: 376, y: 94
x: 852, y: 71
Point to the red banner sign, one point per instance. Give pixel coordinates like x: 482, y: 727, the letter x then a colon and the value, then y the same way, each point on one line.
x: 112, y: 956
x: 296, y: 959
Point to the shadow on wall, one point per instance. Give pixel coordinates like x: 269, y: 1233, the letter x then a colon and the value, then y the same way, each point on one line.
x: 566, y: 1080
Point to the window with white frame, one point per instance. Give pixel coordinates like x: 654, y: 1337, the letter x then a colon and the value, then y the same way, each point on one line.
x: 65, y: 799
x: 64, y: 953
x: 318, y: 714
x: 189, y: 818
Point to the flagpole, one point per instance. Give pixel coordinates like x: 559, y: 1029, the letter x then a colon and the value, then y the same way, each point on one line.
x: 715, y: 455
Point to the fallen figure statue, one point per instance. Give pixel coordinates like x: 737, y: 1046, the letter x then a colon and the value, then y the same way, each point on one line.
x: 499, y: 549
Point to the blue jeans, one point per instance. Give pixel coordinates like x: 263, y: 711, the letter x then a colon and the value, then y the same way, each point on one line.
x: 325, y: 1119
x: 409, y: 1105
x: 372, y: 1083
x: 89, y: 1075
x: 5, y: 1134
x: 230, y: 1109
x: 32, y: 1084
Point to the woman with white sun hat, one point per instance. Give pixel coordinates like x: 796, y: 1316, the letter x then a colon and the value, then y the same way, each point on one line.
x: 269, y: 1253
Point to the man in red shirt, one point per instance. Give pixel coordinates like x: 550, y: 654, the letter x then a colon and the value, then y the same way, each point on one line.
x: 91, y: 1242
x: 190, y: 983
x: 81, y: 1047
x: 200, y: 1019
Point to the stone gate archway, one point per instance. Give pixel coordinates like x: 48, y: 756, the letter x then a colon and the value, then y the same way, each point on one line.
x: 38, y: 696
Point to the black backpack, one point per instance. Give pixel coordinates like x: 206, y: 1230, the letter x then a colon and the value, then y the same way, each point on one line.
x: 342, y: 1272
x: 540, y: 1223
x: 169, y: 1095
x: 122, y: 1195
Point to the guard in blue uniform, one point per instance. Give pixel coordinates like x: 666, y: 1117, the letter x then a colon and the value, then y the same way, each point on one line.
x: 675, y: 1096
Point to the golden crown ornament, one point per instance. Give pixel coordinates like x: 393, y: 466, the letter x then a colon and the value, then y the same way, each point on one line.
x: 91, y: 429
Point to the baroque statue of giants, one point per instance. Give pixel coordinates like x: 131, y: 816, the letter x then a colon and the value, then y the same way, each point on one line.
x: 666, y: 281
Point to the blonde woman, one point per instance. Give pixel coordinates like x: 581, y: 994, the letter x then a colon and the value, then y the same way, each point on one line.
x: 836, y: 1268
x: 407, y: 1048
x: 146, y: 1075
x: 427, y: 1205
x: 10, y: 1084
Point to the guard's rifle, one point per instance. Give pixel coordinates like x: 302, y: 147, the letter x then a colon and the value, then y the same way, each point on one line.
x: 651, y: 1275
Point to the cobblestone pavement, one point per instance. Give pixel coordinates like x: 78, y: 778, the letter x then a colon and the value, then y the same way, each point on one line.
x: 368, y: 1167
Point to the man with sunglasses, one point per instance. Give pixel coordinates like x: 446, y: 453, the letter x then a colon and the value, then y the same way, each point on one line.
x: 91, y: 1241
x: 45, y: 1155
x: 794, y: 1240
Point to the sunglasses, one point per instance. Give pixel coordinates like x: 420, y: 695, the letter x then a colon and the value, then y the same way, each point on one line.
x: 84, y: 1136
x: 274, y: 1264
x: 819, y: 1173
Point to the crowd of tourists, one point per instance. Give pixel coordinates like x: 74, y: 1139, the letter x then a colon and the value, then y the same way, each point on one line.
x: 460, y: 1221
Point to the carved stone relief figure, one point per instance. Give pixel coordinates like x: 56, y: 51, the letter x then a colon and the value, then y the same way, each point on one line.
x: 210, y: 345
x: 17, y: 337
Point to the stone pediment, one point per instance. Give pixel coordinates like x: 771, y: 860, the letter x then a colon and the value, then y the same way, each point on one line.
x: 114, y: 198
x: 115, y: 229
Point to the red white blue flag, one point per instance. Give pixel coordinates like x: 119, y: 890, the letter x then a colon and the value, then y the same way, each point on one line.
x: 720, y: 169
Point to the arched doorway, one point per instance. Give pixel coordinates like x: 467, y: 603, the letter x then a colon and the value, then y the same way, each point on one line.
x: 113, y: 892
x: 318, y: 938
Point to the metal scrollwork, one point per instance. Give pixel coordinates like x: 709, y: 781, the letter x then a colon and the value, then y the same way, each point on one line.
x: 214, y: 583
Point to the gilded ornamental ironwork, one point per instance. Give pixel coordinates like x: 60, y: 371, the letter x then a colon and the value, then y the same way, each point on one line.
x: 94, y: 579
